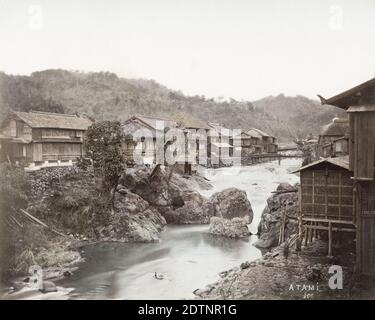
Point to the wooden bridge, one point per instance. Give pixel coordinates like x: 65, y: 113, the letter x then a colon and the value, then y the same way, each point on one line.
x: 266, y: 157
x: 288, y: 149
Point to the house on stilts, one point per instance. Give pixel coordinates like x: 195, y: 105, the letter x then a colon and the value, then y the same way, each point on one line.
x: 338, y: 193
x: 326, y: 198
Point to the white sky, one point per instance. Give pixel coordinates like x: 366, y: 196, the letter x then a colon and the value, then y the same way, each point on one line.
x: 233, y: 48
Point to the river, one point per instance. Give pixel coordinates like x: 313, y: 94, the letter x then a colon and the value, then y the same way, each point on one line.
x: 187, y: 256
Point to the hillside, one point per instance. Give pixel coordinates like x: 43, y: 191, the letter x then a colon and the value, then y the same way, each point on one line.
x: 105, y: 96
x: 298, y: 115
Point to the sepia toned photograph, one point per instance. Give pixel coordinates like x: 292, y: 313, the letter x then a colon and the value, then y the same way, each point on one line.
x: 187, y: 156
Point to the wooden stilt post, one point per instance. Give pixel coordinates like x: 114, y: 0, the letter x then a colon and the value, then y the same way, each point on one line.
x: 284, y: 224
x: 300, y: 230
x: 329, y: 239
x: 299, y: 238
x: 282, y: 227
x: 307, y: 235
x: 311, y: 232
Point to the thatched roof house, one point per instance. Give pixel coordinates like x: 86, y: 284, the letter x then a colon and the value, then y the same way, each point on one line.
x: 333, y: 138
x: 337, y: 128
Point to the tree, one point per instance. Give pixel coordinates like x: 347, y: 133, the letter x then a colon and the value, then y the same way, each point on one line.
x: 103, y: 144
x: 250, y: 106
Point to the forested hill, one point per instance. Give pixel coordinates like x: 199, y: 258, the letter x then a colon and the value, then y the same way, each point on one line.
x: 105, y: 96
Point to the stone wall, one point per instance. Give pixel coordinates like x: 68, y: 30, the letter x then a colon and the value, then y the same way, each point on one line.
x: 40, y: 182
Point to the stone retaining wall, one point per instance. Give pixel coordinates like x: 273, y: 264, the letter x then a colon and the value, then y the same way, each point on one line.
x: 40, y: 181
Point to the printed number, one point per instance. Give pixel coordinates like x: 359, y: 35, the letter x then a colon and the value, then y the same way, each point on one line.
x: 186, y: 308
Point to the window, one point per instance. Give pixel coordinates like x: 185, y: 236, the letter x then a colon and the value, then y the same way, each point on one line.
x: 13, y: 128
x: 19, y: 126
x: 26, y: 129
x: 339, y: 147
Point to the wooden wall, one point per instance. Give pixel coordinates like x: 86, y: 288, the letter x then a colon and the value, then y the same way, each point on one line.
x: 327, y: 193
x: 61, y: 151
x: 366, y: 227
x: 362, y: 143
x: 17, y: 129
x: 37, y: 152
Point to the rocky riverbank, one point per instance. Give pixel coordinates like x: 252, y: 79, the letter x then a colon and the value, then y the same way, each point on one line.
x: 70, y: 203
x: 283, y: 203
x: 285, y: 273
x: 299, y: 275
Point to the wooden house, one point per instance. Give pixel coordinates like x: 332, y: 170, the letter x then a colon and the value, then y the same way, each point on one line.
x: 248, y: 146
x: 221, y: 145
x: 334, y: 139
x: 38, y: 139
x: 359, y: 102
x: 327, y: 198
x: 198, y: 140
x: 256, y: 141
x: 141, y: 133
x: 267, y: 141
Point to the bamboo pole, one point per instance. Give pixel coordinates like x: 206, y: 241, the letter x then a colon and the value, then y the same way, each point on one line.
x: 300, y: 231
x: 307, y: 235
x: 42, y: 223
x: 315, y: 231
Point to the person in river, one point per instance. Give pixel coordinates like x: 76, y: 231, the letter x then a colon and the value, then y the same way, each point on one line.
x: 158, y: 276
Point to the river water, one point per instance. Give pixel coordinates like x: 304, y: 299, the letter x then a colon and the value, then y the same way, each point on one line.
x: 187, y: 256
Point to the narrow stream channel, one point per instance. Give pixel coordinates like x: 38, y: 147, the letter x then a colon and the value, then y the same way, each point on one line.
x: 187, y: 256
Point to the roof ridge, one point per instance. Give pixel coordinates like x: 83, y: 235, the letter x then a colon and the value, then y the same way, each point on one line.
x: 154, y: 117
x: 340, y: 161
x: 53, y: 120
x: 260, y: 131
x: 335, y: 100
x: 49, y: 113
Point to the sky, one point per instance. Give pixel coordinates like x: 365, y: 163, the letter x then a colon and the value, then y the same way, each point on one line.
x: 244, y: 49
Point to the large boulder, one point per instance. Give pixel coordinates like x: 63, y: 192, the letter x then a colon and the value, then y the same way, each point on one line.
x: 231, y: 203
x: 191, y: 182
x: 196, y: 210
x: 231, y: 228
x: 173, y: 196
x: 228, y: 204
x: 170, y: 193
x: 134, y: 220
x: 154, y: 186
x: 283, y: 201
x: 160, y: 187
x: 285, y: 187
